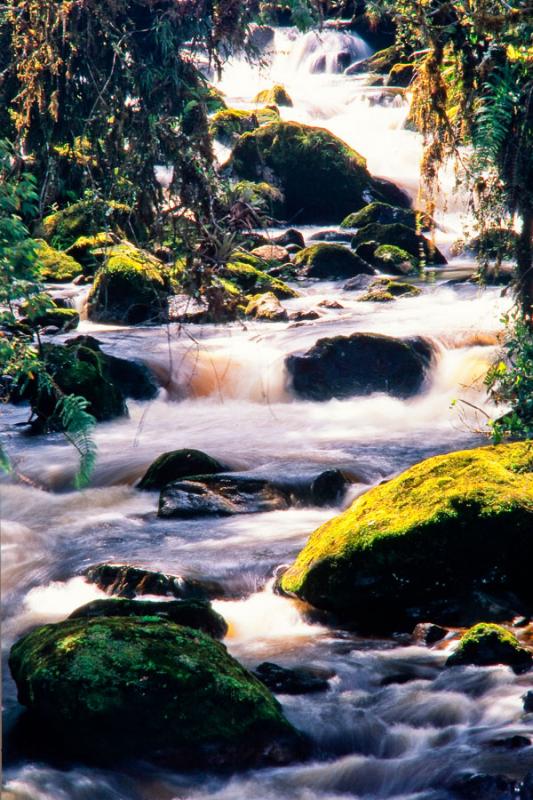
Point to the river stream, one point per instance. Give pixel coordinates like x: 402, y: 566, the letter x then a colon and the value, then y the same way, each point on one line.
x: 393, y: 724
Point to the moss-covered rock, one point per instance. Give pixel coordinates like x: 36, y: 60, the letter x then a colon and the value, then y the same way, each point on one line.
x: 321, y: 178
x: 191, y: 613
x: 486, y: 644
x: 66, y: 319
x: 132, y: 287
x: 266, y: 307
x: 251, y: 280
x: 394, y: 260
x: 277, y: 95
x: 360, y: 364
x: 431, y: 543
x: 381, y: 62
x: 401, y: 75
x: 83, y: 218
x: 178, y: 464
x: 261, y: 195
x: 91, y: 251
x: 383, y: 213
x: 330, y: 261
x: 56, y: 266
x: 230, y: 123
x: 401, y: 236
x: 113, y: 688
x: 384, y: 290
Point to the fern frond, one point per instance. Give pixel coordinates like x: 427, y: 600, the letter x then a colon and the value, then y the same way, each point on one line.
x: 78, y: 427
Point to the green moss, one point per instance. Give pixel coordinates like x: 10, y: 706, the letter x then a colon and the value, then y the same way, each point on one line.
x: 321, y: 178
x: 394, y: 259
x: 261, y: 195
x: 331, y: 261
x: 400, y: 236
x: 384, y: 213
x: 230, y: 123
x: 251, y: 280
x: 277, y: 95
x: 400, y: 75
x: 63, y: 227
x: 63, y: 318
x: 384, y: 290
x: 485, y: 644
x: 90, y: 251
x: 131, y: 287
x: 56, y: 266
x: 116, y: 687
x: 435, y: 532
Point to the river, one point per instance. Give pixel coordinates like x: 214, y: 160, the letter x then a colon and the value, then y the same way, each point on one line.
x: 393, y: 724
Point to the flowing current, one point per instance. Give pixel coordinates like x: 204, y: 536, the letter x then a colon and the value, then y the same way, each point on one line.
x: 393, y: 724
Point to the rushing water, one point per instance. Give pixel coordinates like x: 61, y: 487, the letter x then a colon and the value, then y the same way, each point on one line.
x: 393, y: 724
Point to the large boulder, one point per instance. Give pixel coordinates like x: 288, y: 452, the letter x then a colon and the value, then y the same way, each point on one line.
x: 384, y: 290
x: 177, y: 464
x: 486, y: 644
x: 191, y: 613
x: 360, y: 364
x: 330, y: 261
x: 437, y: 542
x: 230, y: 123
x: 400, y: 236
x: 132, y: 287
x: 110, y: 688
x: 321, y: 178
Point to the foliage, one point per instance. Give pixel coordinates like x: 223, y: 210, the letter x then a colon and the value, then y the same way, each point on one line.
x: 510, y: 382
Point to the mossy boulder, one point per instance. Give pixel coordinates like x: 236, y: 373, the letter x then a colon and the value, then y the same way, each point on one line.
x: 260, y: 194
x: 266, y: 307
x: 384, y: 213
x: 401, y: 75
x: 113, y: 688
x: 384, y: 290
x: 250, y: 280
x: 394, y: 260
x: 277, y: 95
x: 177, y: 464
x: 360, y: 364
x: 56, y: 266
x: 197, y: 614
x: 321, y: 178
x: 401, y: 236
x: 230, y: 123
x: 132, y: 287
x: 91, y: 251
x: 439, y: 541
x: 65, y: 319
x: 330, y: 261
x: 485, y: 644
x: 63, y: 227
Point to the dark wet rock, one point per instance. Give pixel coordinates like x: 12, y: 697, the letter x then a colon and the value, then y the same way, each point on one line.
x: 423, y: 544
x: 330, y: 262
x: 382, y: 61
x: 526, y: 787
x: 486, y: 644
x: 400, y: 236
x: 192, y: 613
x: 321, y: 178
x: 386, y: 290
x: 331, y: 236
x: 304, y: 315
x: 220, y: 496
x: 302, y: 680
x: 401, y: 75
x: 113, y: 688
x: 133, y: 378
x: 428, y: 633
x: 188, y: 310
x: 393, y: 260
x: 521, y: 622
x: 126, y: 580
x: 399, y: 678
x: 516, y: 742
x: 223, y: 495
x: 261, y: 36
x: 290, y: 236
x: 485, y: 787
x: 384, y: 214
x: 63, y: 319
x: 360, y: 364
x: 266, y: 307
x: 358, y: 283
x: 527, y: 700
x: 177, y: 464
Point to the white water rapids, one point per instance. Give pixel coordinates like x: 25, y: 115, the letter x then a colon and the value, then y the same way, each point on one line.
x: 226, y: 393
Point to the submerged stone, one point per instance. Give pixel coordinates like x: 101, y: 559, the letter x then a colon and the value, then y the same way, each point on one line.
x: 178, y: 464
x: 127, y: 580
x: 486, y: 644
x: 302, y: 680
x: 111, y: 688
x: 423, y: 544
